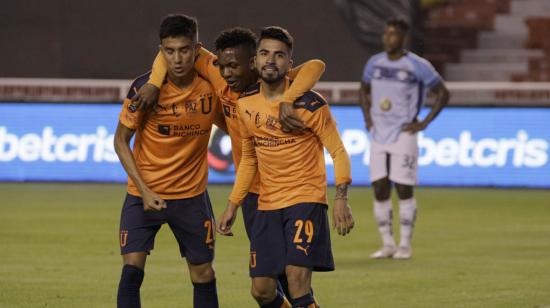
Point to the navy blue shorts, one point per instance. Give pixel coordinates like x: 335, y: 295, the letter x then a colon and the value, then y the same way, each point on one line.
x: 297, y: 235
x: 191, y: 221
x: 249, y: 208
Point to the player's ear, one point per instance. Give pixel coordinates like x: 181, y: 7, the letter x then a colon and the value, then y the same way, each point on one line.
x: 253, y: 63
x: 198, y: 47
x: 290, y: 62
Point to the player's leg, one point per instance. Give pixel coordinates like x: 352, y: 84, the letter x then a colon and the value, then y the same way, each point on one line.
x: 382, y: 205
x: 137, y: 232
x: 192, y: 222
x: 403, y: 174
x: 407, y: 219
x: 267, y: 258
x: 249, y: 208
x: 307, y: 235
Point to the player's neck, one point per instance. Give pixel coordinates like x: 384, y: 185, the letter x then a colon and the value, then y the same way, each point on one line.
x: 183, y: 81
x: 397, y: 54
x: 272, y: 91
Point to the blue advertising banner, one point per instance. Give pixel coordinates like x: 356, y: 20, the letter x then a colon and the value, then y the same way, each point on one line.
x: 462, y: 147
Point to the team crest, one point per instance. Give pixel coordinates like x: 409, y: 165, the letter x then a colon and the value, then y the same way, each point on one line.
x: 385, y: 104
x: 258, y: 120
x: 252, y: 259
x: 271, y: 123
x: 123, y: 238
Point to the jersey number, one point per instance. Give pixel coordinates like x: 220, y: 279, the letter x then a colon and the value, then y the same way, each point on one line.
x: 307, y: 227
x: 209, y: 233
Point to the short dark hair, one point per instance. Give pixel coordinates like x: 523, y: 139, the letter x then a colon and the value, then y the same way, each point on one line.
x: 175, y: 25
x: 277, y: 33
x: 236, y: 37
x: 400, y: 23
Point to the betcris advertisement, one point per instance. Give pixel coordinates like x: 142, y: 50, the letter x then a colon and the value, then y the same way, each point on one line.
x: 462, y: 147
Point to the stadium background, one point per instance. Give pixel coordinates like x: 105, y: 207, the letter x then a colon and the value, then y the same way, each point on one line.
x: 66, y: 65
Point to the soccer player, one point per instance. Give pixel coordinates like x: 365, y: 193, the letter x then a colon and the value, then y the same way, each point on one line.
x: 290, y: 231
x: 230, y: 71
x: 167, y: 168
x: 392, y: 91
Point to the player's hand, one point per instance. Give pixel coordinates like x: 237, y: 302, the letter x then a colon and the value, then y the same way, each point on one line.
x: 226, y: 220
x: 290, y: 122
x: 146, y: 97
x: 342, y: 219
x: 152, y: 201
x: 414, y: 127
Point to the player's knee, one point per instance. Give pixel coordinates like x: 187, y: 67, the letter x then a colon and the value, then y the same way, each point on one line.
x: 132, y: 276
x: 382, y: 189
x: 404, y: 191
x: 202, y: 273
x: 262, y: 293
x: 298, y: 279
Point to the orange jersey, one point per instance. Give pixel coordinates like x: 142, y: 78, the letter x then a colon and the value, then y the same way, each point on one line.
x: 170, y: 152
x: 291, y: 166
x: 206, y: 65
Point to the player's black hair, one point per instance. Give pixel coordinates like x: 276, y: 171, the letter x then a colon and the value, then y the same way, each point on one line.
x: 175, y: 25
x: 277, y: 33
x: 399, y: 23
x: 236, y: 37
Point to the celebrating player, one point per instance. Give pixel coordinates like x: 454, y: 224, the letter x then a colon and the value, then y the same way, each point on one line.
x: 392, y: 92
x: 231, y: 71
x: 167, y: 168
x: 290, y: 231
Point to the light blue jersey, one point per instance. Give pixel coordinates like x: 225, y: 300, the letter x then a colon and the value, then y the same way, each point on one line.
x: 398, y: 90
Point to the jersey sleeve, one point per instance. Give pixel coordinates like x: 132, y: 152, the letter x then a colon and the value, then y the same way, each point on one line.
x: 368, y: 71
x: 321, y: 122
x: 219, y: 117
x: 159, y: 70
x: 128, y: 116
x: 248, y: 166
x: 207, y: 66
x: 304, y: 79
x: 427, y: 73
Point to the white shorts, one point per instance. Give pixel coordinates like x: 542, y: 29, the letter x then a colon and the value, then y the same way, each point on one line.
x: 399, y: 159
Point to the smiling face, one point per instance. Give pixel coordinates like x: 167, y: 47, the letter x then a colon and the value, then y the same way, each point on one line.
x: 273, y: 60
x: 179, y: 53
x: 235, y: 64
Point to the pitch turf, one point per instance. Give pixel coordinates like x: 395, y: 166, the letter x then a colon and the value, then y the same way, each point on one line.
x: 472, y: 248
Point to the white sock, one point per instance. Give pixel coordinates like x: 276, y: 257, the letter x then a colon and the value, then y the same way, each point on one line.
x: 407, y: 215
x: 383, y: 215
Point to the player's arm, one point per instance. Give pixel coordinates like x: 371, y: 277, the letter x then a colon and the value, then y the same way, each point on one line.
x: 365, y: 103
x: 206, y: 66
x: 321, y: 123
x: 148, y: 94
x: 304, y: 78
x: 365, y: 97
x: 442, y: 99
x: 248, y: 167
x: 127, y: 125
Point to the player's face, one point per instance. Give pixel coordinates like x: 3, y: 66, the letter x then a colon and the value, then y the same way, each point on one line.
x: 179, y: 53
x: 393, y: 39
x: 235, y: 65
x: 273, y: 60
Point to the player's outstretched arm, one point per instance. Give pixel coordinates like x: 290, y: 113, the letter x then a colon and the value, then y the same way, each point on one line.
x: 245, y: 176
x: 123, y: 135
x: 365, y: 103
x: 304, y: 78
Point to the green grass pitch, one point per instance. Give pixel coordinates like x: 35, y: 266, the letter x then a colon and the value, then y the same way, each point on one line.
x: 472, y: 248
